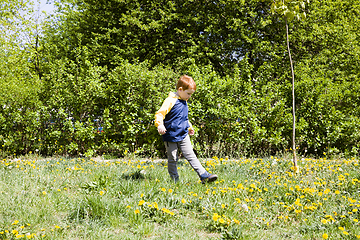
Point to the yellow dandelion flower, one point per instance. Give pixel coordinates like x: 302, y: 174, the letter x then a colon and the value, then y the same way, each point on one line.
x: 183, y: 201
x: 345, y: 232
x: 221, y: 220
x: 324, y: 221
x: 355, y: 220
x: 101, y: 193
x: 236, y: 221
x: 44, y: 193
x: 137, y: 211
x: 215, y: 217
x: 163, y: 189
x: 325, y: 236
x: 170, y: 190
x: 141, y: 202
x: 15, y: 222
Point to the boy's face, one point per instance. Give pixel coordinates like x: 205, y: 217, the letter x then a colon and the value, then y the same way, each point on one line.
x: 185, y: 94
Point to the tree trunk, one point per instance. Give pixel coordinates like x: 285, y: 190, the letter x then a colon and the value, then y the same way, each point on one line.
x: 293, y: 98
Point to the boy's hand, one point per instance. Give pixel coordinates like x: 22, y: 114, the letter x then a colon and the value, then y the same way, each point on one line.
x: 191, y: 132
x: 161, y: 129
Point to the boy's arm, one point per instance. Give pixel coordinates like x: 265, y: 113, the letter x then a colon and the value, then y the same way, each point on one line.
x: 165, y: 109
x: 191, y: 129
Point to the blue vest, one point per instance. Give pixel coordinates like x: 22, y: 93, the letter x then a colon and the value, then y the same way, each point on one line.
x: 176, y: 122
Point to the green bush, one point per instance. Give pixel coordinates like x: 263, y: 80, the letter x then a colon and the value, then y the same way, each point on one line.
x: 80, y: 109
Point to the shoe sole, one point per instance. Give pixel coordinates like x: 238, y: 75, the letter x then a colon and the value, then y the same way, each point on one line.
x: 209, y: 179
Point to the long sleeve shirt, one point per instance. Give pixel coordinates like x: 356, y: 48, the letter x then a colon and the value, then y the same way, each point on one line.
x: 173, y: 114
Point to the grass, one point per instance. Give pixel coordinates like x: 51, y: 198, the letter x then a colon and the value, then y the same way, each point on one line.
x: 62, y: 198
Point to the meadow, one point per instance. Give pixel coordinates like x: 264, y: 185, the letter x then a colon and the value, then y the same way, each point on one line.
x: 133, y: 198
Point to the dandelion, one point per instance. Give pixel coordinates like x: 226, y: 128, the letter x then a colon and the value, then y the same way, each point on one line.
x: 170, y: 190
x: 163, y: 189
x: 215, y: 217
x: 325, y: 236
x: 345, y: 233
x: 137, y: 211
x: 221, y: 220
x: 323, y: 221
x: 183, y: 201
x: 44, y: 193
x: 101, y: 193
x: 141, y: 202
x: 15, y: 222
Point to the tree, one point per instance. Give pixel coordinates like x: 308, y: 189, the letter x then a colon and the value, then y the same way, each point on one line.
x: 290, y: 10
x: 19, y: 83
x: 216, y: 33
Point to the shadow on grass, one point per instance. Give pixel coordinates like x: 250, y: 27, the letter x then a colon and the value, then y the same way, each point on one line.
x: 136, y: 175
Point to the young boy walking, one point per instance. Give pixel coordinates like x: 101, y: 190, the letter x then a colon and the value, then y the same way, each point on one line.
x: 174, y: 126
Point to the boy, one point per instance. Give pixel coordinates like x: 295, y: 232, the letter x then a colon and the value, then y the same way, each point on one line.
x: 174, y: 126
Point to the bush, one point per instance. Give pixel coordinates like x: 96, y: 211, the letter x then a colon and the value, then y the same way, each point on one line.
x: 81, y: 109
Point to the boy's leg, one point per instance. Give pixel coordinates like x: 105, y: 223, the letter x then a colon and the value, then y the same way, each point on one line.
x: 172, y: 154
x: 188, y: 152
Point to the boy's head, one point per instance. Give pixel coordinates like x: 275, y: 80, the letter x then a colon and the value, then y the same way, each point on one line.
x: 186, y: 82
x: 185, y: 87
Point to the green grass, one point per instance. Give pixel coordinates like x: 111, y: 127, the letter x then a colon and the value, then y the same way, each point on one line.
x: 63, y: 198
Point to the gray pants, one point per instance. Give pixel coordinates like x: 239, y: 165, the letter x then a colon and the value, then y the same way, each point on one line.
x: 185, y: 147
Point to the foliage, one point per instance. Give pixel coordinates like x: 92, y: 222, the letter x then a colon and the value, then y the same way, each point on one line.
x: 91, y: 80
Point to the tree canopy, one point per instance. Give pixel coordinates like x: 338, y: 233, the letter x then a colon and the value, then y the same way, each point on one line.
x: 108, y: 63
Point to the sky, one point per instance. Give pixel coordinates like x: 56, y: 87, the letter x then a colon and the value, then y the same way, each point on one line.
x: 44, y: 6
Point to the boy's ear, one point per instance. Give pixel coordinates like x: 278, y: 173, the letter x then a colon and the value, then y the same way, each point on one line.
x: 180, y: 89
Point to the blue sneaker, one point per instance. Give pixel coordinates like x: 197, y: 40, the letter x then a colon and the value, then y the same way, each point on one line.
x: 207, y: 177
